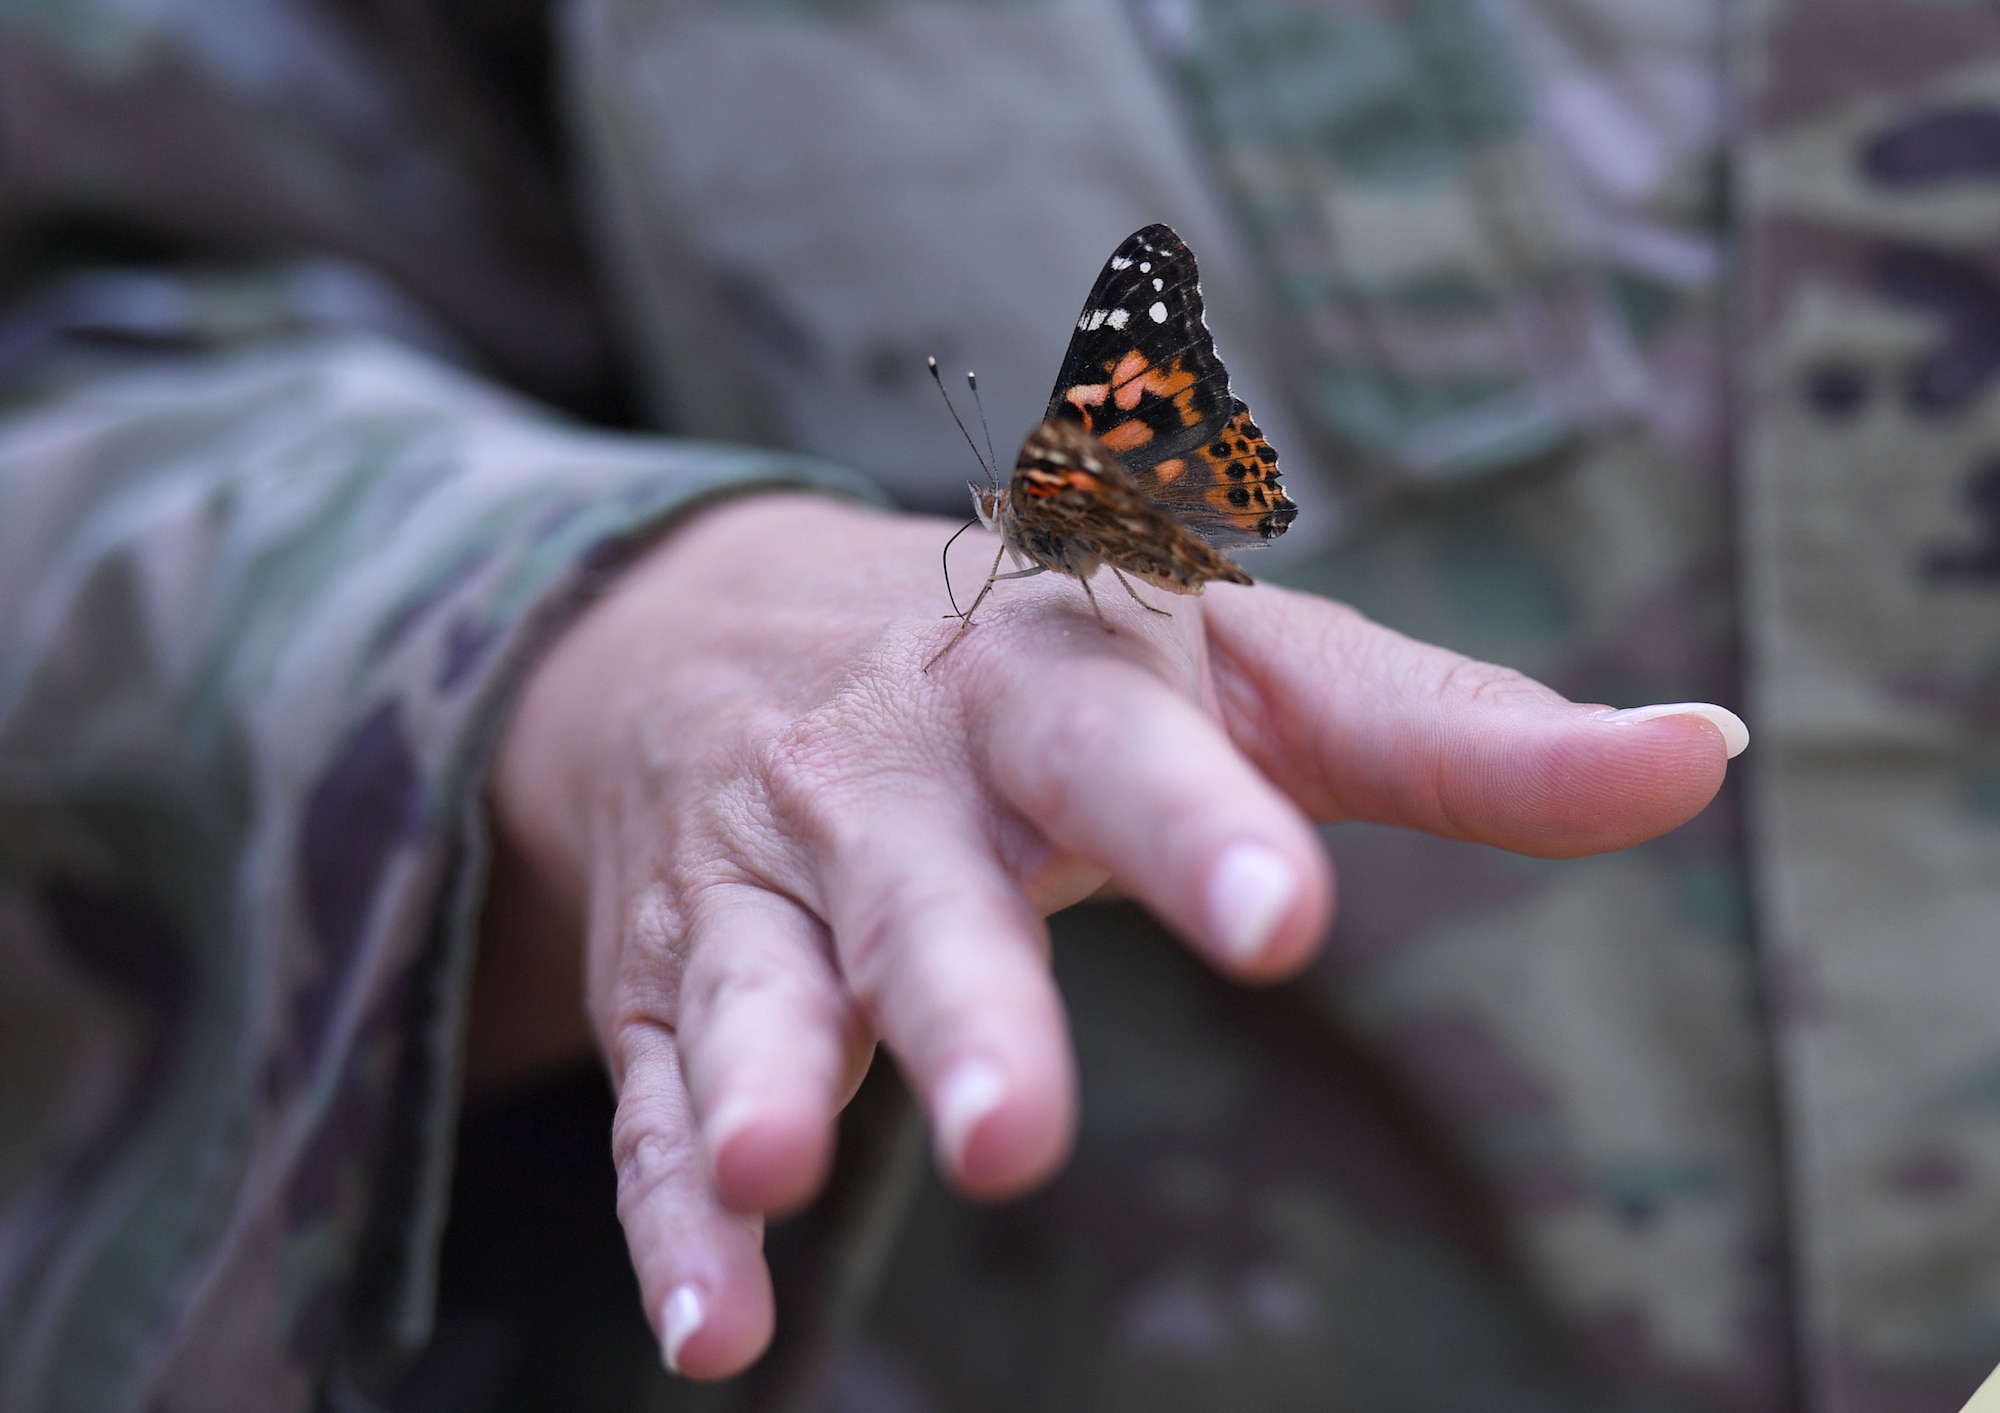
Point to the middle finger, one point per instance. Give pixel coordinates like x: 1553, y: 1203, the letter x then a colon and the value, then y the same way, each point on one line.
x: 1114, y: 766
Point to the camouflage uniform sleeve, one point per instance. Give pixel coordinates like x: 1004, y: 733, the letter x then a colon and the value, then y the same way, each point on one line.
x: 259, y: 620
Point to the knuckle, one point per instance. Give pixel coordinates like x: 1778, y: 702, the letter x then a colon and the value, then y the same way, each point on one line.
x: 647, y: 1162
x: 830, y: 782
x: 748, y: 978
x: 894, y: 908
x: 867, y: 942
x: 1469, y: 680
x: 799, y: 774
x: 651, y: 959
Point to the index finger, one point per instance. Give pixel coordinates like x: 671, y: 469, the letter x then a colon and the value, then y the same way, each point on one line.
x: 1356, y: 721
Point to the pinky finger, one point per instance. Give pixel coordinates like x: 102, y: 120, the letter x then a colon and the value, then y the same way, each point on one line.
x: 700, y: 1266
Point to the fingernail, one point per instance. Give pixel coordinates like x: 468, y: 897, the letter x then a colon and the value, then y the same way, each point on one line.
x: 1249, y: 893
x: 972, y: 1090
x: 1735, y: 735
x: 678, y: 1322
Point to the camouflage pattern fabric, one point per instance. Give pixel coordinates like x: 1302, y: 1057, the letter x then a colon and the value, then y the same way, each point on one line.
x: 1561, y: 310
x: 262, y: 613
x: 1449, y: 312
x: 1869, y: 537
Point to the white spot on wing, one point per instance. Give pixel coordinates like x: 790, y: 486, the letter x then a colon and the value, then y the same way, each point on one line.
x: 1093, y: 320
x: 1159, y: 284
x: 1119, y: 318
x: 1120, y: 262
x: 1158, y: 312
x: 1146, y: 266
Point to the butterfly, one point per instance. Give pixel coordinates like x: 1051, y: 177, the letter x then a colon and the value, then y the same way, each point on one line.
x: 1144, y: 461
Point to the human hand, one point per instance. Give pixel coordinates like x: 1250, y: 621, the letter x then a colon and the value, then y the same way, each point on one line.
x: 779, y: 839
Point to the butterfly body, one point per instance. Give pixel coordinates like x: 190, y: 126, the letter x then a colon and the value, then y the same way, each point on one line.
x: 1072, y: 507
x: 1144, y: 461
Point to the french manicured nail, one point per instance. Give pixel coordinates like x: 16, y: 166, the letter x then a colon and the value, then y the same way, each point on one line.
x: 1735, y: 735
x: 972, y: 1090
x: 1249, y: 894
x: 682, y: 1316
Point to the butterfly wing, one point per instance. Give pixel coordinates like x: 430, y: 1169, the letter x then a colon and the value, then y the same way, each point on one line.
x: 1074, y: 506
x: 1142, y: 375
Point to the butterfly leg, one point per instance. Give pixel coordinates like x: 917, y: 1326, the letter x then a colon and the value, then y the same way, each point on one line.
x: 995, y: 577
x: 965, y: 616
x: 962, y: 629
x: 1101, y: 622
x: 1135, y: 595
x: 984, y: 589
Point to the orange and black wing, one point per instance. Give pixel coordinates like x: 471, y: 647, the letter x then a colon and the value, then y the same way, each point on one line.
x: 1142, y: 376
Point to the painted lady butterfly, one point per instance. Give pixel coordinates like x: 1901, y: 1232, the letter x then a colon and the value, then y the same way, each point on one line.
x: 1145, y: 461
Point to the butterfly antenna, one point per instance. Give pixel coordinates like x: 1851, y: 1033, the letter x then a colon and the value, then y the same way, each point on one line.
x: 984, y: 465
x: 972, y: 381
x: 945, y: 558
